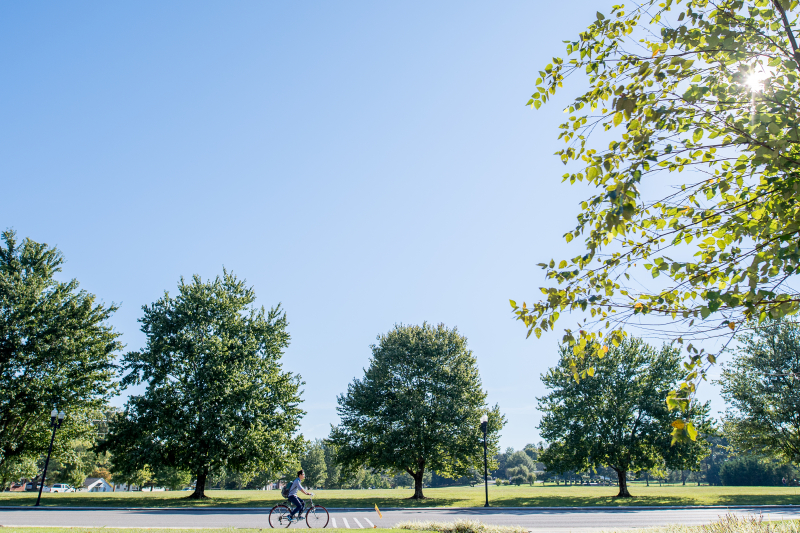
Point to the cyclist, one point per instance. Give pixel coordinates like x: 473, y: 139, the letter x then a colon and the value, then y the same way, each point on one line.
x: 299, y: 504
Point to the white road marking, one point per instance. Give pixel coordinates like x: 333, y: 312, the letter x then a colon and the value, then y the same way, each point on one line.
x: 368, y: 522
x: 359, y: 523
x: 346, y: 524
x: 334, y: 522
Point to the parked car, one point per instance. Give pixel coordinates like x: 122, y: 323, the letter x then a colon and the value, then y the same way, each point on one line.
x: 62, y: 487
x: 34, y: 487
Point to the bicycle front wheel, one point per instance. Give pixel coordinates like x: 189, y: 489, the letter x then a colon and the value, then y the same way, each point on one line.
x: 279, y: 516
x: 317, y: 517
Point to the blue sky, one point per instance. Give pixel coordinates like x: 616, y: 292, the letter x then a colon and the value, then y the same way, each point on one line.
x: 364, y: 163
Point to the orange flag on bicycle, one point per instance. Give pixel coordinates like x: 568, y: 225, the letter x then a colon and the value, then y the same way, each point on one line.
x: 378, y: 511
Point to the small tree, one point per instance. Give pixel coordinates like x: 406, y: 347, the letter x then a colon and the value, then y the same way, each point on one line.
x: 762, y: 385
x: 101, y: 473
x: 520, y: 459
x: 333, y: 470
x: 313, y: 463
x: 618, y: 419
x: 216, y: 395
x: 417, y: 408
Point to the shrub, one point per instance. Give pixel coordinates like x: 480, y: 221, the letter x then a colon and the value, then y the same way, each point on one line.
x: 752, y: 471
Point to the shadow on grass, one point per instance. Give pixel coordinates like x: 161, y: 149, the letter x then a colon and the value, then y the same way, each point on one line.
x: 648, y: 500
x: 179, y: 501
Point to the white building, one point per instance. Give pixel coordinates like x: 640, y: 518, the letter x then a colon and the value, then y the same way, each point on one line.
x: 96, y: 484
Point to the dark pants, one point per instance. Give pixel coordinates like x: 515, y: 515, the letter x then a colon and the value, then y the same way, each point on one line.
x: 299, y: 505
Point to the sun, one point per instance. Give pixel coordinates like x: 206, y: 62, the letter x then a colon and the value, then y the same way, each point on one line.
x: 756, y: 80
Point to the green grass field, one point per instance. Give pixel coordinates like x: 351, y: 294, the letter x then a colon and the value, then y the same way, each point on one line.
x: 505, y: 496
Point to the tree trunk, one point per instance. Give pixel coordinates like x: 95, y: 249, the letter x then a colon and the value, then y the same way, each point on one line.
x: 199, y: 487
x: 622, y: 476
x: 418, y: 485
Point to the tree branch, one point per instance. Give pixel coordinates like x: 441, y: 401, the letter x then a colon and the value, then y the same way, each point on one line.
x: 787, y: 26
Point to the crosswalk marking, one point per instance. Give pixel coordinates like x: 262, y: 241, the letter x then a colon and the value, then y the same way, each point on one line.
x: 334, y: 522
x: 359, y: 523
x: 370, y: 523
x: 346, y: 523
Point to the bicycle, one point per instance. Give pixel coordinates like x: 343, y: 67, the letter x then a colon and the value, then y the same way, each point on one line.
x: 316, y: 515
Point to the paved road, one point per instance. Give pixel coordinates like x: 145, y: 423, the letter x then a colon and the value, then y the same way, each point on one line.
x: 547, y: 519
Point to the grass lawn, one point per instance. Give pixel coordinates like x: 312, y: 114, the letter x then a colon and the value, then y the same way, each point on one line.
x: 504, y: 496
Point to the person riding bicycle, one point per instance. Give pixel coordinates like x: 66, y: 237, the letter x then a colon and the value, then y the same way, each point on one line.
x: 299, y: 504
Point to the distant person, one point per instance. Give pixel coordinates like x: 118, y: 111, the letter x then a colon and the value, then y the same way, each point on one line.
x: 299, y: 504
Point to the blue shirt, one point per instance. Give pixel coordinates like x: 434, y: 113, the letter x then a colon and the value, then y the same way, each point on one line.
x: 295, y: 486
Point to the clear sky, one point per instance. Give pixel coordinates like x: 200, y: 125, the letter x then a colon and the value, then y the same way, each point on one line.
x: 363, y: 163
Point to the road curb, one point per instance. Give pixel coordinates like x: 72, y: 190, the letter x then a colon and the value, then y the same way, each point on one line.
x: 484, y: 509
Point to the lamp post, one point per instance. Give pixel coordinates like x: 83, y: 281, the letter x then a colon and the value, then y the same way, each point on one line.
x: 484, y: 424
x: 56, y: 419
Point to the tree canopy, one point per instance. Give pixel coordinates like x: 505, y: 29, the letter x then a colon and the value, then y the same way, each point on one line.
x: 698, y: 98
x: 619, y: 419
x: 56, y: 350
x: 762, y: 386
x: 417, y: 408
x: 216, y: 396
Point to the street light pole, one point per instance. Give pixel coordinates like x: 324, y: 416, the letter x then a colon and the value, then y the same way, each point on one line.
x: 484, y: 424
x: 56, y: 419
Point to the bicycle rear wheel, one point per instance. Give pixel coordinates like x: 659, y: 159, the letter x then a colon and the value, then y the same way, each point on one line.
x: 317, y: 517
x: 279, y: 516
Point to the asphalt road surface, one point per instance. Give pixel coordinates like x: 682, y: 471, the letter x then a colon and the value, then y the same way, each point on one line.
x: 544, y: 519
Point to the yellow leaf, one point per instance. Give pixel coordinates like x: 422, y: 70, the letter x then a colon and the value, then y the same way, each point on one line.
x: 731, y: 325
x: 678, y: 424
x: 691, y: 431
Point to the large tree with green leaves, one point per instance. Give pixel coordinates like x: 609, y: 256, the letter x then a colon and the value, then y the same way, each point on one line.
x: 417, y: 408
x: 762, y: 386
x: 56, y: 349
x: 216, y: 396
x: 619, y: 418
x: 688, y: 135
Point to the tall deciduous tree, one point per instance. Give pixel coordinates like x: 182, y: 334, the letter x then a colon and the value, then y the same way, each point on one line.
x: 762, y: 386
x: 417, y: 408
x: 216, y: 394
x: 706, y: 89
x: 618, y: 419
x: 56, y: 349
